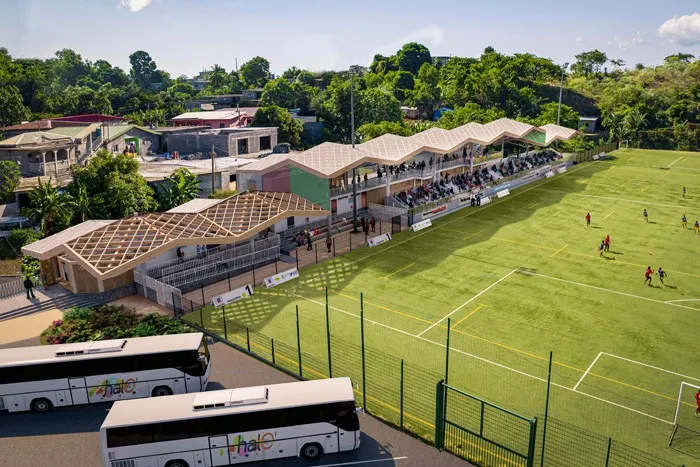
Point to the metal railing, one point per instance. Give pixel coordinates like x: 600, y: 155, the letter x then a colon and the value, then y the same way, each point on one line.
x: 13, y: 287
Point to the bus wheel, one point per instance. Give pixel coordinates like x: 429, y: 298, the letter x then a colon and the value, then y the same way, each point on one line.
x: 311, y: 451
x: 177, y: 463
x: 160, y: 391
x: 41, y: 405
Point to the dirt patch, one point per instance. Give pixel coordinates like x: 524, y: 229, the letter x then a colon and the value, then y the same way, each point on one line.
x: 10, y: 267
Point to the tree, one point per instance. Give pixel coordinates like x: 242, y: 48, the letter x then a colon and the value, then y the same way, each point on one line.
x: 617, y: 63
x: 218, y: 81
x: 569, y: 117
x: 143, y: 69
x: 378, y: 105
x: 290, y: 130
x: 235, y: 85
x: 68, y: 67
x: 114, y: 184
x: 470, y: 112
x: 12, y: 110
x: 49, y: 208
x: 278, y: 92
x: 679, y: 57
x: 334, y: 109
x: 403, y: 82
x: 291, y: 73
x: 381, y: 64
x: 589, y: 62
x: 10, y: 175
x: 180, y: 187
x: 255, y: 72
x: 412, y: 55
x: 77, y: 100
x: 304, y: 96
x: 80, y: 203
x: 370, y: 131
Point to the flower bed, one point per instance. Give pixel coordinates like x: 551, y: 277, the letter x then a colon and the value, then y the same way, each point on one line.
x: 81, y: 324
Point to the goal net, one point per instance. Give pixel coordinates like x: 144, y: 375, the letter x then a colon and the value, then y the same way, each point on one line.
x: 686, y: 423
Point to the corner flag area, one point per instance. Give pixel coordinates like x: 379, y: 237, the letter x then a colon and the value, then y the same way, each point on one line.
x: 512, y: 281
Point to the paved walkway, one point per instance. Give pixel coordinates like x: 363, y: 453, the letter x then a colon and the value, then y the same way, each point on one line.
x: 26, y: 329
x: 55, y: 296
x: 344, y: 242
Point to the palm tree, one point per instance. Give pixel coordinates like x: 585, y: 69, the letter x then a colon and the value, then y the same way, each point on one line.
x: 49, y: 207
x: 81, y: 203
x: 180, y: 187
x: 633, y: 123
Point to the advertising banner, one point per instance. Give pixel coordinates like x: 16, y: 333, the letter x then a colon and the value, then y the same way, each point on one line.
x: 232, y: 296
x: 464, y: 200
x: 501, y: 194
x: 379, y: 239
x: 561, y: 170
x: 549, y: 174
x: 485, y: 200
x: 432, y: 212
x: 421, y: 225
x: 281, y: 278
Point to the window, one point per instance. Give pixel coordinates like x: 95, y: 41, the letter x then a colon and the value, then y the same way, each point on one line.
x: 265, y: 143
x: 222, y: 125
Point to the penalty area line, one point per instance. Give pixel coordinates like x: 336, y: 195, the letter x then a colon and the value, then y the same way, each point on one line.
x: 587, y: 370
x: 650, y: 366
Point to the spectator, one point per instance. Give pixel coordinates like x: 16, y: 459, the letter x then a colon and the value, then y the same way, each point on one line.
x: 373, y: 223
x: 365, y: 227
x: 329, y: 243
x: 309, y: 246
x: 29, y: 287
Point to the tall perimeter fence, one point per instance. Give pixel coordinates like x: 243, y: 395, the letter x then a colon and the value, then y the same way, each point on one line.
x: 486, y: 404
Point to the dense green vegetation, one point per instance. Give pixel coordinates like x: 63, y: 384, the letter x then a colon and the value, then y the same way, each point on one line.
x: 81, y: 324
x: 633, y: 103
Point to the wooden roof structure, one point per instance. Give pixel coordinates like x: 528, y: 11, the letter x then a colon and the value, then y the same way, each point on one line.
x: 125, y: 243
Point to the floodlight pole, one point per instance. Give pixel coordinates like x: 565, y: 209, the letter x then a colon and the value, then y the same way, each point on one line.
x: 351, y: 72
x: 561, y: 91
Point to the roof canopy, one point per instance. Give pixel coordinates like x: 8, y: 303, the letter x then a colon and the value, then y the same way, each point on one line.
x: 329, y: 160
x: 120, y: 245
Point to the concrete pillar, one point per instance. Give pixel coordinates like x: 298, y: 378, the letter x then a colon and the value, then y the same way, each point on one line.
x: 388, y: 182
x: 435, y: 163
x: 251, y: 242
x: 503, y: 149
x: 100, y: 285
x: 43, y: 160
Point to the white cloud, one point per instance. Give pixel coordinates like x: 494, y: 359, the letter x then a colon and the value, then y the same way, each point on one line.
x: 134, y: 5
x: 579, y: 39
x: 624, y: 43
x: 429, y: 36
x: 683, y: 30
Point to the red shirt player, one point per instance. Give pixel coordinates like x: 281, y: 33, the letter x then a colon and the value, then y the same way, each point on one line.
x: 588, y: 219
x: 607, y: 243
x: 697, y: 400
x: 648, y: 275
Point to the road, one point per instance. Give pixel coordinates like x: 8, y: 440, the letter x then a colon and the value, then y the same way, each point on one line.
x: 68, y: 437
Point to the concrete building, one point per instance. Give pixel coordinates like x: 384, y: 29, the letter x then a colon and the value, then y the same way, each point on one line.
x: 224, y: 141
x: 224, y: 118
x: 588, y: 124
x: 40, y: 153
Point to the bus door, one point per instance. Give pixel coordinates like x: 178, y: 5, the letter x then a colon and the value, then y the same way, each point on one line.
x: 218, y: 447
x: 78, y: 390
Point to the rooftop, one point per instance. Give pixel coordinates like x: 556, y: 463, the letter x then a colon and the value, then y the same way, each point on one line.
x: 122, y: 244
x: 35, y: 139
x: 222, y: 114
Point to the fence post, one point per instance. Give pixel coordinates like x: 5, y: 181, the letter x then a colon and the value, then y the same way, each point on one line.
x: 439, y: 396
x: 253, y: 274
x: 223, y: 315
x: 201, y: 315
x: 546, y: 409
x: 607, y: 455
x: 481, y: 423
x: 362, y: 339
x: 531, y: 446
x: 203, y: 301
x: 350, y: 236
x: 229, y: 280
x: 316, y: 250
x: 173, y: 298
x: 334, y: 247
x: 276, y: 261
x: 247, y: 337
x: 447, y: 353
x: 299, y: 343
x: 401, y: 399
x: 296, y: 253
x: 328, y: 337
x: 272, y: 342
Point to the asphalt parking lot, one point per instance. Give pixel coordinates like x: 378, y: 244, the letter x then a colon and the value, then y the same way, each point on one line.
x: 68, y: 437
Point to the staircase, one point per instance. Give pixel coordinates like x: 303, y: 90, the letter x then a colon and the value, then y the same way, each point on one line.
x: 62, y: 303
x: 90, y: 151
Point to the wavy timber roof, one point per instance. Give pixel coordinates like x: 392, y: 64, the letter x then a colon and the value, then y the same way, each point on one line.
x: 329, y: 160
x: 123, y: 244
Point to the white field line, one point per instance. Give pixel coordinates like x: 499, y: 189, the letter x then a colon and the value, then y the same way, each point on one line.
x: 490, y: 362
x: 607, y: 290
x: 365, y: 462
x: 650, y: 366
x: 493, y: 203
x: 646, y: 203
x: 587, y: 370
x: 669, y: 165
x: 683, y: 300
x: 465, y: 303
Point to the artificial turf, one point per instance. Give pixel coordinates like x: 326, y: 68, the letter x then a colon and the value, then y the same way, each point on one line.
x: 518, y: 278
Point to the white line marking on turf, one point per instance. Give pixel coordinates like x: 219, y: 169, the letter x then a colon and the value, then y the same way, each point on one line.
x: 559, y: 250
x: 650, y: 366
x: 492, y: 362
x: 669, y: 165
x: 493, y: 203
x: 365, y: 462
x: 465, y: 303
x: 612, y: 198
x: 683, y: 300
x: 589, y: 369
x: 607, y: 290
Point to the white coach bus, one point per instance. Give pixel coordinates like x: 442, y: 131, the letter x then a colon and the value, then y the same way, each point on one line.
x: 232, y: 426
x: 46, y: 376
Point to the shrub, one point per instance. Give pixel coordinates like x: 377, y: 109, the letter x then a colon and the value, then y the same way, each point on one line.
x: 30, y: 267
x: 81, y: 324
x: 222, y: 194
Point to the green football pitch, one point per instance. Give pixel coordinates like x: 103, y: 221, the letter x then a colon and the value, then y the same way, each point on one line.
x: 518, y: 278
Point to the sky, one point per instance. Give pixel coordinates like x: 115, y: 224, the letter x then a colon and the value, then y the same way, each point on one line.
x: 188, y: 36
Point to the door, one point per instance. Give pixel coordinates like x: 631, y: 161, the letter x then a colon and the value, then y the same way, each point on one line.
x: 218, y: 447
x: 78, y: 391
x: 364, y: 200
x: 61, y: 398
x: 331, y: 444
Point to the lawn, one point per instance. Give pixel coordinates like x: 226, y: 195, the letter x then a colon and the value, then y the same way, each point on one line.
x: 518, y: 278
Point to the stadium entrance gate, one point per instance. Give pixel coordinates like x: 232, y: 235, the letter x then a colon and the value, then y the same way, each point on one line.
x: 479, y: 431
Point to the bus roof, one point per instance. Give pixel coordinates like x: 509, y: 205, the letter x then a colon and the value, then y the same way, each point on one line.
x: 129, y: 346
x: 180, y: 407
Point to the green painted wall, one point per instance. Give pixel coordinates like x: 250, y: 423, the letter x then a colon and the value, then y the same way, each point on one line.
x: 309, y: 186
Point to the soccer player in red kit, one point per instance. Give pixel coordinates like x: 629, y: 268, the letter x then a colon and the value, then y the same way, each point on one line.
x: 588, y: 219
x: 648, y: 275
x: 697, y: 400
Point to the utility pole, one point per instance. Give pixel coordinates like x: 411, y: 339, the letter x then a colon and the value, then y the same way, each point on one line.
x: 561, y: 90
x: 213, y: 158
x: 352, y: 140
